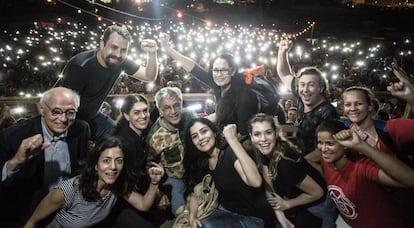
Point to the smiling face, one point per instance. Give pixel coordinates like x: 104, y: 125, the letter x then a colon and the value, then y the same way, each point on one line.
x: 263, y: 137
x: 202, y: 137
x: 138, y: 117
x: 109, y: 166
x: 171, y: 109
x: 59, y: 111
x: 332, y: 151
x: 222, y: 72
x: 114, y: 51
x: 309, y: 90
x: 291, y: 116
x: 356, y: 107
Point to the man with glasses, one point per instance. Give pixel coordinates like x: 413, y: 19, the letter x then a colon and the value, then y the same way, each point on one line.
x: 165, y: 143
x: 93, y: 73
x: 38, y: 153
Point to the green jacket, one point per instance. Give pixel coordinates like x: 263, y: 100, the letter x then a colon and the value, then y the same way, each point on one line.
x: 166, y: 145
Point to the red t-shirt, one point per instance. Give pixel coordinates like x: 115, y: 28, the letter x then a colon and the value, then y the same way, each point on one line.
x: 402, y: 134
x: 359, y: 197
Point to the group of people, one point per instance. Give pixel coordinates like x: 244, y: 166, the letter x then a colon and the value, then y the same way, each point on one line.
x: 72, y: 166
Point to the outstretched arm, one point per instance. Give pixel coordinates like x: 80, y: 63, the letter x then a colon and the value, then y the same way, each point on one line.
x: 150, y: 71
x: 144, y: 202
x: 283, y: 67
x: 52, y: 202
x: 244, y: 164
x: 392, y: 172
x: 187, y: 63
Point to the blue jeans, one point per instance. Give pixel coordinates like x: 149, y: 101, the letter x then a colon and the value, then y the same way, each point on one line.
x: 330, y: 213
x: 223, y: 218
x: 318, y: 210
x: 177, y: 193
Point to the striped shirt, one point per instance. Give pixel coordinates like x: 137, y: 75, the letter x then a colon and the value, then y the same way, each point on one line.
x: 79, y: 212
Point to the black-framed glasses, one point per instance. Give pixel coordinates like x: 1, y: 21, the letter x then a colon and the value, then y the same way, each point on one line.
x: 56, y: 112
x: 221, y: 71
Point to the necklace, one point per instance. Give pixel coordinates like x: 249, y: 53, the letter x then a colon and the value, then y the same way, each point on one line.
x: 334, y: 163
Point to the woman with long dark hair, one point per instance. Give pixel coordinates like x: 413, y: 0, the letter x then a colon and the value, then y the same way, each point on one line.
x: 87, y: 199
x: 242, y: 199
x: 236, y: 103
x: 132, y: 126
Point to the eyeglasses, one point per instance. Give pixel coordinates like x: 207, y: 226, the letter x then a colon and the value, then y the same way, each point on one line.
x: 56, y: 112
x: 221, y: 71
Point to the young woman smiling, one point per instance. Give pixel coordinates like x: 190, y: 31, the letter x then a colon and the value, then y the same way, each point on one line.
x: 295, y: 187
x: 88, y: 198
x: 356, y: 174
x: 241, y: 194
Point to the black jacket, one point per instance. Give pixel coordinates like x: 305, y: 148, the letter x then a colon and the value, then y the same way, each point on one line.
x: 20, y: 194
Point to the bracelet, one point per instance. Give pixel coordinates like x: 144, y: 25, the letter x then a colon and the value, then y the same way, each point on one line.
x: 155, y: 183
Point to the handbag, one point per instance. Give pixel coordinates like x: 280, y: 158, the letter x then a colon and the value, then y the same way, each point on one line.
x: 207, y: 196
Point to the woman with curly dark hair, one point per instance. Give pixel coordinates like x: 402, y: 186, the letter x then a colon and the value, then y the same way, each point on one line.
x: 87, y: 199
x: 242, y: 200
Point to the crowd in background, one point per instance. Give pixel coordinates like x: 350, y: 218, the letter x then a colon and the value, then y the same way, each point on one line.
x: 280, y: 182
x: 32, y: 56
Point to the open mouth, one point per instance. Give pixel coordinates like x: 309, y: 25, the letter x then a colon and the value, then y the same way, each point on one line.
x: 112, y: 175
x: 327, y: 155
x: 203, y: 143
x: 264, y: 146
x: 142, y: 122
x: 353, y: 115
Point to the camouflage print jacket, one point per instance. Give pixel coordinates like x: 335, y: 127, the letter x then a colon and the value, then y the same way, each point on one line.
x: 166, y: 145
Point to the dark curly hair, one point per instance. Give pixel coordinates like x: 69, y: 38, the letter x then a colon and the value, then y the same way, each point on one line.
x: 116, y: 29
x: 89, y: 177
x: 196, y: 162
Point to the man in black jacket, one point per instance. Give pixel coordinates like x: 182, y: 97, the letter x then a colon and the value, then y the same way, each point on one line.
x: 38, y: 153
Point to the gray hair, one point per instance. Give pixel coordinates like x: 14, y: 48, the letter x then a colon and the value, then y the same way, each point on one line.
x: 59, y: 90
x: 168, y: 92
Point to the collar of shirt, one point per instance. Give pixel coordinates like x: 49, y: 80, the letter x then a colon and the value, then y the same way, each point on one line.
x: 49, y: 138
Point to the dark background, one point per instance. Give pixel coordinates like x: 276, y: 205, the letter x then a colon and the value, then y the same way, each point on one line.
x: 333, y: 19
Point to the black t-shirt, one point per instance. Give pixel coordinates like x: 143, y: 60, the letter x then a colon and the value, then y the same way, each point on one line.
x: 134, y: 148
x: 292, y: 170
x: 239, y: 102
x: 235, y: 195
x: 308, y: 122
x: 93, y: 82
